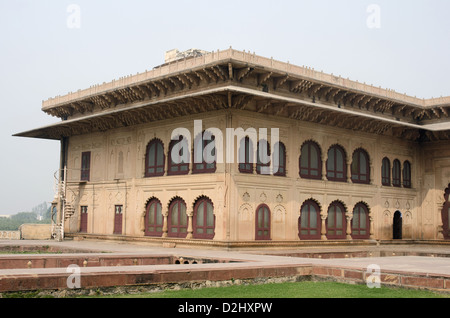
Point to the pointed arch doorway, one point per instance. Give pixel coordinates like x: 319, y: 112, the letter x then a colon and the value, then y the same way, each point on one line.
x: 397, y: 226
x: 262, y: 226
x: 446, y: 214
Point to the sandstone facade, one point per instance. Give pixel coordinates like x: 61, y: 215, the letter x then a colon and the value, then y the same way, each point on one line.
x: 369, y: 155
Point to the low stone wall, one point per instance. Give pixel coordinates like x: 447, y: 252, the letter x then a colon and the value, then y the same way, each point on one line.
x: 438, y: 282
x: 36, y: 231
x: 9, y: 235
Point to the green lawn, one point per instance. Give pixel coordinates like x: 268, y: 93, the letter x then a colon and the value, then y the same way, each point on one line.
x: 291, y: 290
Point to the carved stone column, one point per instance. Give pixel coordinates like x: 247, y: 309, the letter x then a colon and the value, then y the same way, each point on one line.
x: 323, y: 230
x: 298, y: 223
x: 168, y: 157
x: 190, y: 229
x: 324, y: 169
x: 165, y: 224
x: 440, y: 224
x: 349, y: 172
x: 142, y: 222
x: 440, y: 230
x: 372, y: 227
x: 348, y: 217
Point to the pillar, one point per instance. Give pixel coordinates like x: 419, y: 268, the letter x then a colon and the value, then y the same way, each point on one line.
x: 349, y: 226
x: 165, y: 223
x: 372, y: 227
x: 298, y: 222
x: 324, y: 168
x: 190, y: 229
x: 349, y: 172
x: 323, y: 230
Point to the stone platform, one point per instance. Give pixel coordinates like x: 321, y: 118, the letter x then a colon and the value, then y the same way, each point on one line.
x: 105, y: 265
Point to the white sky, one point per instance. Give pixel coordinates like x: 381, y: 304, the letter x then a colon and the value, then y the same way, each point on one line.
x: 41, y: 57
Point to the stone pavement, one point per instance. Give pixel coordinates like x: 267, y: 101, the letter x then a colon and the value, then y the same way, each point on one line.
x: 399, y: 265
x: 417, y: 264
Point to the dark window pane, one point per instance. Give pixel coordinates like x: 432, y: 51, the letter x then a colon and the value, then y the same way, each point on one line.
x: 305, y: 156
x: 314, y: 163
x: 155, y: 159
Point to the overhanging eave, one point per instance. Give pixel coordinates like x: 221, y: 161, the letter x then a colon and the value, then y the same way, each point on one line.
x: 177, y: 107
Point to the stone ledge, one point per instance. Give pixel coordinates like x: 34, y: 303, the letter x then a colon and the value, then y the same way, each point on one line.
x: 228, y: 245
x: 133, y: 279
x: 438, y: 282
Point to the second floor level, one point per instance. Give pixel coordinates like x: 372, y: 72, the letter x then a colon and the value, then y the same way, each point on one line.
x: 246, y: 146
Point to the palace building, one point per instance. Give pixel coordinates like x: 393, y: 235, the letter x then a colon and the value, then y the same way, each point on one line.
x: 170, y: 156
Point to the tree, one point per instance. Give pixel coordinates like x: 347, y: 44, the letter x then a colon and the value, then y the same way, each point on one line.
x: 40, y: 210
x: 15, y: 221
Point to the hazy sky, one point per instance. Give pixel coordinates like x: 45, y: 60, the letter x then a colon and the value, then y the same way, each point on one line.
x: 45, y: 50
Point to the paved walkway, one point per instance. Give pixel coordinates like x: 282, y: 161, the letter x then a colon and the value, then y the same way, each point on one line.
x: 400, y: 270
x: 416, y: 264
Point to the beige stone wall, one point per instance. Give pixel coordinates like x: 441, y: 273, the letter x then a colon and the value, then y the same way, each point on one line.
x: 435, y: 179
x: 117, y: 178
x: 35, y: 231
x: 9, y: 235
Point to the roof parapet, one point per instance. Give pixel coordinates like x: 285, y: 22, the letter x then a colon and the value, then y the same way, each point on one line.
x: 199, y: 58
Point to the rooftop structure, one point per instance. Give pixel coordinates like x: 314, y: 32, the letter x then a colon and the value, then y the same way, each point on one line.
x: 247, y: 81
x: 175, y: 54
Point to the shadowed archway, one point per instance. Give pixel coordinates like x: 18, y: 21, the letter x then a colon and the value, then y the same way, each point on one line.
x: 446, y: 214
x: 398, y: 226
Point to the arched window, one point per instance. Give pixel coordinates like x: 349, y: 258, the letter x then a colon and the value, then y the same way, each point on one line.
x: 154, y: 219
x: 309, y: 223
x: 386, y: 172
x: 205, y: 161
x: 280, y: 153
x: 178, y: 157
x: 360, y: 222
x: 361, y: 167
x: 120, y: 163
x: 204, y: 221
x: 263, y: 157
x: 85, y: 166
x: 310, y: 161
x: 262, y: 227
x: 337, y: 164
x: 154, y: 159
x: 407, y: 174
x: 246, y: 156
x: 336, y: 222
x: 396, y: 179
x: 177, y: 219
